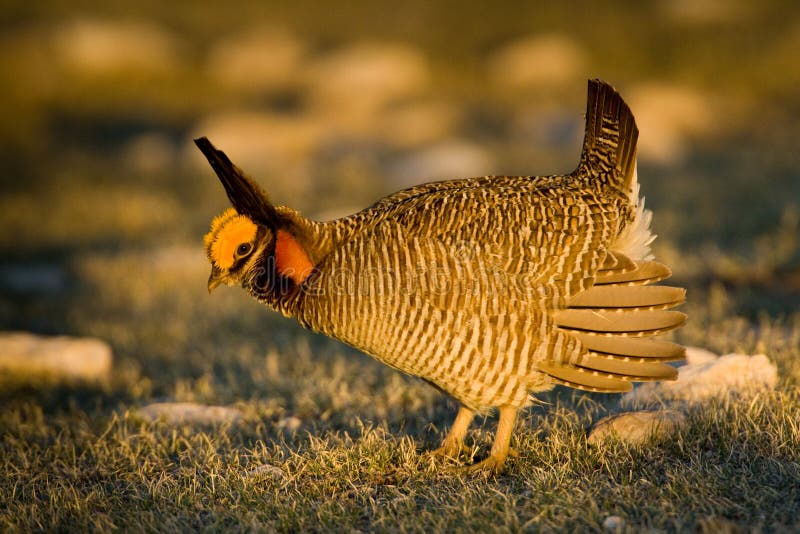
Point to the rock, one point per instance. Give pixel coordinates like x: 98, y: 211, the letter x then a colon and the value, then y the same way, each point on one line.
x: 637, y: 428
x: 614, y: 523
x: 94, y: 47
x: 266, y: 470
x: 290, y: 423
x: 699, y: 356
x: 546, y: 128
x: 705, y: 12
x: 364, y: 77
x: 259, y: 60
x: 174, y: 260
x: 668, y: 117
x: 449, y: 159
x: 416, y: 124
x: 150, y: 153
x: 550, y: 60
x: 254, y: 137
x: 69, y: 358
x: 178, y: 413
x: 707, y: 375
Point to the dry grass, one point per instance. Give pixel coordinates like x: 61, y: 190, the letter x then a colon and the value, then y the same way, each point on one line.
x: 75, y: 469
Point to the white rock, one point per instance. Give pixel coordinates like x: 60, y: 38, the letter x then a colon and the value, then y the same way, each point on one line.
x: 707, y: 375
x: 637, y: 427
x: 705, y: 12
x: 258, y: 60
x: 417, y: 123
x: 174, y: 259
x: 290, y: 423
x: 668, y: 117
x: 699, y: 356
x: 266, y: 470
x: 255, y: 137
x: 364, y: 77
x: 544, y: 60
x: 95, y: 46
x: 448, y: 159
x: 614, y: 523
x: 62, y: 357
x: 177, y: 413
x: 150, y: 153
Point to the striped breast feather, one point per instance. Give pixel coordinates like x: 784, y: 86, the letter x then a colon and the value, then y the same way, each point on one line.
x: 614, y: 321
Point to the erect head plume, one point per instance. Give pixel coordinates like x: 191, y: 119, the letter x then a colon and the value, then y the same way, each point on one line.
x: 245, y: 195
x: 234, y: 233
x: 228, y: 231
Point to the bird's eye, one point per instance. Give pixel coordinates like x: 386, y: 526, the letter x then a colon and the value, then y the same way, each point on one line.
x: 243, y: 250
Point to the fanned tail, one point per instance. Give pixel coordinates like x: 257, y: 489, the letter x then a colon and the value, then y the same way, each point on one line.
x: 611, y: 321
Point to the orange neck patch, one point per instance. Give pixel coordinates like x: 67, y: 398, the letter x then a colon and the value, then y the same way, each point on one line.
x: 290, y: 258
x: 228, y: 231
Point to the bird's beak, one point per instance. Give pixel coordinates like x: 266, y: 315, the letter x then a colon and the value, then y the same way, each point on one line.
x: 214, y: 279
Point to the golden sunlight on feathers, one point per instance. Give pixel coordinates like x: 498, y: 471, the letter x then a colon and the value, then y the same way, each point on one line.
x: 228, y: 231
x: 489, y: 288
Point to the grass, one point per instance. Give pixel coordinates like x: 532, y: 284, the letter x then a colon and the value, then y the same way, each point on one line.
x: 125, y: 245
x: 736, y: 460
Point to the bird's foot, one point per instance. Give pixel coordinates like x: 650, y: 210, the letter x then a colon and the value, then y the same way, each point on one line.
x: 448, y: 450
x: 492, y: 465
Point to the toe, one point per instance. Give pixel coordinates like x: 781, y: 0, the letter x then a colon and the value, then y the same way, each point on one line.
x: 489, y: 466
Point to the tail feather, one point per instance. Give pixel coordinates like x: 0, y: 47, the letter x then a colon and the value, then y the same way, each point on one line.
x: 635, y: 324
x: 609, y: 145
x: 610, y: 297
x: 626, y: 370
x: 609, y: 320
x: 580, y: 378
x: 646, y: 272
x: 631, y: 349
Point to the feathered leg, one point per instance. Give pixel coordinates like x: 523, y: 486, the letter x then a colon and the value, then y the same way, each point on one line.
x: 454, y: 442
x: 502, y: 439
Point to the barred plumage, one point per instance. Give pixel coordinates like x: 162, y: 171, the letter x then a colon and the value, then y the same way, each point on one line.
x: 489, y: 288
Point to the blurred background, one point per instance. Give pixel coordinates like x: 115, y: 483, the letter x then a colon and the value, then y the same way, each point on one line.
x: 104, y: 199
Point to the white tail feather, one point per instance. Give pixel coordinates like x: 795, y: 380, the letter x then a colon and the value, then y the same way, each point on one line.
x: 635, y: 239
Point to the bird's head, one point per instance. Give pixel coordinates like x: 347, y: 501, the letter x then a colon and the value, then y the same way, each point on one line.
x: 251, y: 244
x: 231, y: 246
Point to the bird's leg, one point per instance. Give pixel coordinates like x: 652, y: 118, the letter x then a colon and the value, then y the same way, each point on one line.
x: 500, y: 449
x: 454, y: 441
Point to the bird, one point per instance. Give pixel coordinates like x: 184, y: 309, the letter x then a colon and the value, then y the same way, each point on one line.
x: 492, y: 289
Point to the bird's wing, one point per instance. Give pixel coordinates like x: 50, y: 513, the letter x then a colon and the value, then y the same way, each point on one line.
x: 547, y: 241
x: 529, y: 247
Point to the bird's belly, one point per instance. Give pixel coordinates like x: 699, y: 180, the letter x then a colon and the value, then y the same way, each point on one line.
x: 483, y: 361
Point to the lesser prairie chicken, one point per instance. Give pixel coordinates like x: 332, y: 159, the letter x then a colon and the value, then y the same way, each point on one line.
x: 489, y: 288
